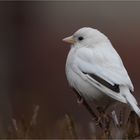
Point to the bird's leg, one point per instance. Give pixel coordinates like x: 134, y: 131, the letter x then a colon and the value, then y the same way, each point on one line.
x: 87, y: 106
x: 81, y: 100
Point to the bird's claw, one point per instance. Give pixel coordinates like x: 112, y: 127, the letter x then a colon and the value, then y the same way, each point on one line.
x: 98, y: 122
x: 80, y: 100
x: 103, y: 121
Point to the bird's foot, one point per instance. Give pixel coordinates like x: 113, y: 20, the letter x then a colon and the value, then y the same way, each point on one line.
x: 80, y: 100
x: 103, y: 121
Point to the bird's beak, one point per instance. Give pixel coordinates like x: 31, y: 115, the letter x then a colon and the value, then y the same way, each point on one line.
x: 69, y: 39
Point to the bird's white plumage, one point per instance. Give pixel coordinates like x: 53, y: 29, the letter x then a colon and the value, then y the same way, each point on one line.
x: 103, y: 61
x: 96, y: 55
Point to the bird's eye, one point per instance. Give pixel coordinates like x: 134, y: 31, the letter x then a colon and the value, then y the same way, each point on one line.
x: 80, y: 38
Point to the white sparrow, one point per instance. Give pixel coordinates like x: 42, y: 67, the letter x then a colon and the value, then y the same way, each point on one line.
x: 95, y: 70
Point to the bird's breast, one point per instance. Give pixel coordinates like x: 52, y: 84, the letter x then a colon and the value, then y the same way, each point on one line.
x: 84, y: 88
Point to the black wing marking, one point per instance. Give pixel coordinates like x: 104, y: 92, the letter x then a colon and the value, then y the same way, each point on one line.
x: 114, y: 87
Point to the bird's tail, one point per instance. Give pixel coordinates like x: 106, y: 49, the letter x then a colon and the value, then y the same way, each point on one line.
x: 134, y: 107
x: 131, y: 101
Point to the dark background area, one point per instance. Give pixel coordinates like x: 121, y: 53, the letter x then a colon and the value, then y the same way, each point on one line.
x: 33, y: 56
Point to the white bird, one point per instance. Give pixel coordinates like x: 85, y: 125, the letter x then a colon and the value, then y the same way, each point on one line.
x: 95, y: 70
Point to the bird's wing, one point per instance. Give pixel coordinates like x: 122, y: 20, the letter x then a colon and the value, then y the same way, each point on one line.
x: 103, y: 67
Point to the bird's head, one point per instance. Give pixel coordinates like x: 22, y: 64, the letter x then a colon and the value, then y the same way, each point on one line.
x: 86, y: 37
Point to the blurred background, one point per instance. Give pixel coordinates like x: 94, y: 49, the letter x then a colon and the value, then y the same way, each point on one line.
x: 33, y: 56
